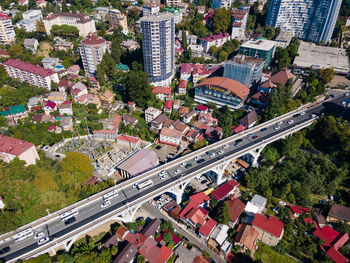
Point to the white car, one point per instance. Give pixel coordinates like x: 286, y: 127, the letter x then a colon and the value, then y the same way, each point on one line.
x: 225, y: 146
x: 39, y: 235
x: 344, y: 102
x: 46, y: 148
x: 282, y: 203
x: 182, y: 164
x: 105, y: 204
x: 302, y: 113
x: 220, y: 152
x: 162, y: 177
x: 43, y: 240
x: 196, y: 158
x: 279, y: 123
x: 346, y: 94
x: 277, y: 127
x: 290, y: 122
x: 212, y: 155
x: 177, y: 171
x: 313, y: 116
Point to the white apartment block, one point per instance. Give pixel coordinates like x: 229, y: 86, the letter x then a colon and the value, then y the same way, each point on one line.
x: 151, y: 113
x: 7, y: 33
x: 31, y: 74
x: 173, y: 2
x: 222, y: 3
x: 84, y: 23
x: 32, y: 15
x: 239, y: 25
x: 116, y: 18
x: 27, y: 25
x: 92, y: 48
x: 214, y: 40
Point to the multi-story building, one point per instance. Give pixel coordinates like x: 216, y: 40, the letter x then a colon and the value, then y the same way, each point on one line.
x: 270, y: 229
x: 92, y: 49
x: 239, y: 22
x: 221, y: 91
x: 222, y: 3
x: 311, y: 20
x: 27, y: 25
x: 158, y: 45
x: 84, y: 23
x: 260, y: 48
x: 214, y: 40
x: 116, y: 18
x: 151, y: 113
x: 31, y: 74
x: 32, y: 15
x: 7, y: 33
x: 283, y: 39
x: 11, y: 148
x: 173, y: 2
x: 177, y: 12
x: 246, y: 70
x: 150, y: 9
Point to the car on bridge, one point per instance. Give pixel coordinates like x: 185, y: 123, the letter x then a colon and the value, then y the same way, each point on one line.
x: 5, y: 250
x: 105, y: 204
x: 39, y: 235
x: 43, y: 240
x: 69, y: 221
x: 277, y: 127
x: 290, y: 121
x: 189, y: 165
x: 201, y: 161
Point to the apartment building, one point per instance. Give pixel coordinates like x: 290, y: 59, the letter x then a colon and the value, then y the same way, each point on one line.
x: 32, y: 15
x: 31, y: 74
x: 116, y: 18
x: 84, y: 23
x: 7, y: 33
x: 259, y: 48
x: 222, y: 3
x: 151, y: 113
x: 239, y: 18
x: 158, y: 45
x: 214, y: 40
x: 310, y: 20
x: 92, y: 48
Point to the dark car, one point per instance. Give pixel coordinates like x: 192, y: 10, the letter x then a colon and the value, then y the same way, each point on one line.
x: 201, y: 161
x: 263, y: 129
x: 189, y: 165
x: 208, y: 152
x: 5, y: 250
x: 254, y: 137
x: 69, y: 221
x: 204, y: 181
x: 238, y: 142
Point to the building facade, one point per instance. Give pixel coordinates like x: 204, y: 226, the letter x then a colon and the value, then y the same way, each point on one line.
x: 259, y: 48
x: 84, y: 23
x: 246, y: 70
x: 214, y: 40
x: 239, y: 22
x: 32, y: 15
x: 158, y: 44
x: 311, y: 20
x: 116, y: 18
x: 31, y: 74
x: 222, y: 3
x: 7, y: 33
x: 92, y: 49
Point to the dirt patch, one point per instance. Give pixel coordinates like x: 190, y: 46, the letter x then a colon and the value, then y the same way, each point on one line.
x: 339, y: 80
x: 44, y: 49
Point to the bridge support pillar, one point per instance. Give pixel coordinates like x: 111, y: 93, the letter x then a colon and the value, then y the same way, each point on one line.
x: 256, y: 154
x: 178, y: 190
x: 220, y: 170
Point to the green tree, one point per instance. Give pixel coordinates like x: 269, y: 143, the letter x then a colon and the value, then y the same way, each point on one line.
x: 65, y: 31
x: 167, y: 237
x: 137, y: 88
x: 224, y: 213
x: 184, y: 39
x: 140, y: 259
x: 221, y: 20
x: 326, y: 75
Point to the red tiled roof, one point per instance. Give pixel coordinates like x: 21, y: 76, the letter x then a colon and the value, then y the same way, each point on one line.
x: 183, y: 84
x: 340, y: 240
x: 200, y: 198
x: 269, y: 224
x: 234, y: 86
x: 247, y: 236
x: 268, y: 84
x: 26, y: 66
x: 161, y: 90
x: 128, y: 138
x: 208, y: 226
x: 3, y: 52
x: 236, y: 208
x: 299, y: 209
x: 13, y: 146
x: 282, y: 76
x: 212, y: 37
x: 170, y: 133
x: 50, y: 104
x: 196, y: 216
x: 223, y: 190
x: 3, y: 17
x: 202, y: 107
x: 164, y: 254
x: 336, y: 256
x: 327, y: 234
x: 186, y: 68
x: 239, y: 128
x: 168, y: 104
x: 93, y: 40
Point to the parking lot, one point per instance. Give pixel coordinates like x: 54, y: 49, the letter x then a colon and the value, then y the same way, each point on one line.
x: 161, y: 201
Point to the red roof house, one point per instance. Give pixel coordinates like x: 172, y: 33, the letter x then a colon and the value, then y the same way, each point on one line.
x: 207, y: 228
x: 236, y: 209
x: 270, y: 229
x: 225, y: 190
x: 168, y: 106
x: 336, y: 256
x: 296, y: 211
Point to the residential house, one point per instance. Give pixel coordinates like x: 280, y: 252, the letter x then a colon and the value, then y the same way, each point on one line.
x: 129, y: 44
x: 11, y: 148
x: 34, y: 103
x: 132, y: 142
x: 259, y: 99
x: 117, y: 105
x: 197, y: 200
x: 185, y: 71
x: 192, y: 135
x: 176, y: 104
x: 151, y: 228
x: 157, y: 123
x: 74, y: 70
x: 202, y: 109
x: 78, y: 90
x: 339, y: 213
x: 27, y: 25
x: 57, y: 97
x: 64, y: 85
x: 296, y: 211
x: 188, y: 116
x: 50, y: 63
x: 49, y: 107
x: 107, y: 97
x: 270, y: 229
x: 128, y: 119
x: 31, y: 44
x: 4, y: 54
x: 247, y: 238
x: 236, y: 209
x: 65, y: 108
x: 207, y: 119
x: 249, y: 119
x: 179, y: 126
x: 214, y: 40
x: 256, y: 205
x: 62, y: 44
x: 206, y: 229
x: 182, y: 87
x: 168, y: 106
x: 225, y: 190
x: 186, y: 255
x: 131, y: 106
x: 183, y: 110
x: 67, y: 123
x: 14, y: 112
x: 105, y: 134
x: 162, y: 93
x: 138, y: 163
x: 213, y: 134
x: 151, y: 113
x: 90, y: 99
x: 220, y: 234
x: 127, y: 255
x: 121, y: 233
x: 170, y: 136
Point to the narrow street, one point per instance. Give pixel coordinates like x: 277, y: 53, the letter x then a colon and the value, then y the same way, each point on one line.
x: 181, y: 229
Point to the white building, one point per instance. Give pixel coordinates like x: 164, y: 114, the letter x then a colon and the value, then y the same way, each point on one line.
x: 197, y: 50
x: 116, y: 18
x: 222, y: 3
x: 84, y: 23
x: 158, y: 45
x: 31, y: 43
x: 7, y: 33
x: 173, y: 2
x: 92, y: 49
x: 32, y: 15
x: 27, y: 25
x: 283, y: 39
x: 256, y: 205
x: 32, y: 74
x: 11, y: 148
x: 239, y: 23
x: 170, y: 136
x: 151, y: 113
x: 214, y: 40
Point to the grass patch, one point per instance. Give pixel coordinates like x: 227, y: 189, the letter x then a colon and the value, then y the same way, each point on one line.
x: 267, y: 255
